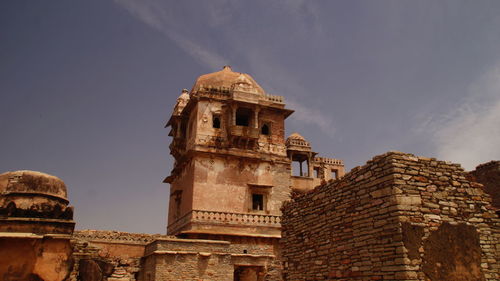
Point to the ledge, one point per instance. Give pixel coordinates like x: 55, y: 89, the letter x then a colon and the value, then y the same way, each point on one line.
x: 33, y: 235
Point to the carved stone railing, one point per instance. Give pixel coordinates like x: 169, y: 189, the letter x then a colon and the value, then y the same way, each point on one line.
x: 224, y: 218
x: 298, y: 142
x: 331, y: 161
x: 273, y: 98
x: 244, y: 131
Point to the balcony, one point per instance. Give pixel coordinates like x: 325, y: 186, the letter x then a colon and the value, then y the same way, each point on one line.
x: 244, y: 132
x: 217, y: 219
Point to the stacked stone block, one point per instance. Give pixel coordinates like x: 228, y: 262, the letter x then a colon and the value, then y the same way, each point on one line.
x: 399, y: 217
x: 488, y: 174
x: 108, y: 255
x: 210, y: 260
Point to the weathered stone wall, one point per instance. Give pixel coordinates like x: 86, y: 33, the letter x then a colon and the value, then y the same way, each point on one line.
x: 108, y: 255
x: 34, y: 258
x: 208, y: 260
x: 36, y: 224
x: 399, y: 217
x: 488, y: 174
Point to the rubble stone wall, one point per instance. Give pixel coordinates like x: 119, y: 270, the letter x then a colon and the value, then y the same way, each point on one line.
x: 108, y: 255
x: 210, y: 260
x: 488, y: 174
x: 399, y: 217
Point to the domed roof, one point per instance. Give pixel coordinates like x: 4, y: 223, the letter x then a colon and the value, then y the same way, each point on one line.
x: 227, y: 78
x: 34, y: 202
x: 32, y: 182
x: 296, y: 136
x: 295, y: 140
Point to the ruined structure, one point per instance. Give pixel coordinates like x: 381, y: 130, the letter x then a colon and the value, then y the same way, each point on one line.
x: 232, y: 171
x: 399, y: 217
x: 246, y: 204
x: 36, y: 224
x: 488, y: 174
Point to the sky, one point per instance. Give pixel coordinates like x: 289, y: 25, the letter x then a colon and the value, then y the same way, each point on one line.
x: 86, y: 87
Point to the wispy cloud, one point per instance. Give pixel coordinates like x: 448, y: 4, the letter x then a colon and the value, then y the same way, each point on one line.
x: 217, y: 14
x: 312, y: 116
x: 155, y: 14
x: 470, y: 133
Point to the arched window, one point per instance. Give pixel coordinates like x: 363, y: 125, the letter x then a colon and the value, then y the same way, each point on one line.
x: 265, y: 129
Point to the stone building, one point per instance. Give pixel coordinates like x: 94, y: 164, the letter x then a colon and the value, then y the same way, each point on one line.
x: 233, y: 170
x: 36, y: 224
x: 246, y: 204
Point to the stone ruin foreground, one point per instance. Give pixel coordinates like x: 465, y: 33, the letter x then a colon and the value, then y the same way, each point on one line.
x: 246, y: 204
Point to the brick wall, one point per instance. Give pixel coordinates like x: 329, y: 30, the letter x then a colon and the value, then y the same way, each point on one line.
x: 399, y: 217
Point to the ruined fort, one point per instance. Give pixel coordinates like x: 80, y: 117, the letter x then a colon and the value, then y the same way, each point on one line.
x: 248, y: 203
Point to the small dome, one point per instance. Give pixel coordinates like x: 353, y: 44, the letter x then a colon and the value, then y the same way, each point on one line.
x: 32, y: 182
x: 296, y: 141
x: 34, y: 202
x: 296, y: 136
x: 182, y: 101
x: 227, y: 78
x: 184, y: 95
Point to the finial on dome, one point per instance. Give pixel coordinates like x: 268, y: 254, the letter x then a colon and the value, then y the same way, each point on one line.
x: 227, y: 67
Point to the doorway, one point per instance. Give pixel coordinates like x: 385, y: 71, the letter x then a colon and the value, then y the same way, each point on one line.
x: 249, y: 273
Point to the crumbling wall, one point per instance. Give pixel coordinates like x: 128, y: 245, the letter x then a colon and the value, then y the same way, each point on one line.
x: 488, y: 174
x: 399, y: 217
x: 108, y: 255
x: 210, y: 260
x: 29, y: 258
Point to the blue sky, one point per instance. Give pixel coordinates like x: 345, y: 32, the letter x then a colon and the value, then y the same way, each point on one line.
x: 86, y: 86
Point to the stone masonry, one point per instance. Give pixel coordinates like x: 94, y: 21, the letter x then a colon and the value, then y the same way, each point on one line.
x: 108, y: 255
x: 399, y: 217
x: 488, y: 174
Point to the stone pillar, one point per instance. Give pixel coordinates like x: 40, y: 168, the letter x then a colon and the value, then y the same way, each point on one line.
x: 234, y: 108
x: 256, y: 118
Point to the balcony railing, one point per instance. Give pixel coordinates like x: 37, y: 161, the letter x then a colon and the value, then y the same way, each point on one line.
x: 224, y: 218
x: 328, y: 161
x: 244, y: 131
x: 298, y: 142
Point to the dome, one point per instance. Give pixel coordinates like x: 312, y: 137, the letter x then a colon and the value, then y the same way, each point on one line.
x: 296, y: 141
x: 184, y: 96
x: 32, y: 182
x: 34, y: 202
x: 227, y: 78
x: 296, y: 136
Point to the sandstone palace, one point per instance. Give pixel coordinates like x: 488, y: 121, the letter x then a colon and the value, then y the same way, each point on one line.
x: 248, y: 203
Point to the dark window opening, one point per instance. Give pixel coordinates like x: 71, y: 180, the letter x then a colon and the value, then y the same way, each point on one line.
x: 335, y: 174
x: 243, y: 116
x: 258, y: 202
x: 216, y: 122
x: 265, y: 130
